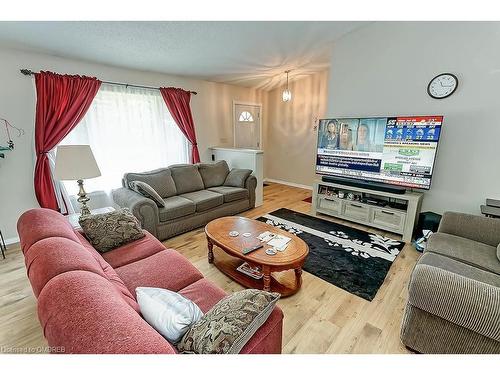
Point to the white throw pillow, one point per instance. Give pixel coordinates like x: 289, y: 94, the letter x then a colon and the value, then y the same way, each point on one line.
x: 168, y: 312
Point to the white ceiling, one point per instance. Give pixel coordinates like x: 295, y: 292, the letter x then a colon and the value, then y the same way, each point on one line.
x: 251, y: 54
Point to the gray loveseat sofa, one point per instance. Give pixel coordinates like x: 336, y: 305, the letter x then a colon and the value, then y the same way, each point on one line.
x: 454, y: 291
x: 193, y: 195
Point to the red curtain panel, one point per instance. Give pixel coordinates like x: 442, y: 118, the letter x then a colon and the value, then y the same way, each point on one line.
x: 177, y: 101
x: 61, y: 102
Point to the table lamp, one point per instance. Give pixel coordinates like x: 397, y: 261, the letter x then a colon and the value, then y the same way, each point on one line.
x: 77, y: 162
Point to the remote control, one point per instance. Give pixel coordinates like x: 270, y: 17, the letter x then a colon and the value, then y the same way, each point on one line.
x: 250, y: 249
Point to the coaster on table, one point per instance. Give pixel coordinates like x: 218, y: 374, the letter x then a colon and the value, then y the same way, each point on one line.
x: 246, y: 234
x: 271, y: 251
x: 234, y: 233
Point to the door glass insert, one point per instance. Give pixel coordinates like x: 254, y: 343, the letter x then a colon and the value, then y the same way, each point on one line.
x: 245, y: 116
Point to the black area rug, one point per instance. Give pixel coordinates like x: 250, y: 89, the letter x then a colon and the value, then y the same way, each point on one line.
x: 352, y: 259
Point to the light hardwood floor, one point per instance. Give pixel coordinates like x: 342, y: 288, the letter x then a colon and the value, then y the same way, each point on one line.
x: 320, y: 318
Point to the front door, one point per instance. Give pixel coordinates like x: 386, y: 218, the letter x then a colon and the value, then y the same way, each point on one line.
x: 247, y: 126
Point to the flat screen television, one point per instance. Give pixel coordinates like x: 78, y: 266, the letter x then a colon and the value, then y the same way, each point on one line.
x: 393, y: 150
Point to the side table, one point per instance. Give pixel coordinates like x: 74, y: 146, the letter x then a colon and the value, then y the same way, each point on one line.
x: 73, y: 218
x: 492, y: 208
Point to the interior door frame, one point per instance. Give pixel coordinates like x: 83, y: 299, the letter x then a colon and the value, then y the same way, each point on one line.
x: 239, y: 102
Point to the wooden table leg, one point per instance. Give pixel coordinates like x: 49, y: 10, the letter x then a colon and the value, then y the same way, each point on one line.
x: 298, y: 277
x: 267, y: 278
x: 210, y: 251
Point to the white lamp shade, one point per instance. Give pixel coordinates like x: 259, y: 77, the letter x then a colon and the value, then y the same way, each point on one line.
x: 75, y: 162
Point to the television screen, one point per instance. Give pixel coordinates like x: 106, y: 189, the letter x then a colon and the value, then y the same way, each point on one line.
x: 394, y: 150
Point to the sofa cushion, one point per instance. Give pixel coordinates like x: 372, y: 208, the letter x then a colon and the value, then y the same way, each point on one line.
x: 117, y: 283
x: 55, y: 255
x: 464, y: 250
x: 81, y: 313
x: 134, y: 251
x: 230, y: 193
x: 176, y: 207
x: 213, y: 174
x: 457, y: 292
x: 498, y: 252
x: 159, y: 179
x: 204, y: 293
x: 237, y: 177
x: 459, y: 268
x: 186, y: 178
x: 204, y: 199
x: 166, y: 269
x: 230, y: 324
x: 112, y: 229
x: 110, y: 273
x: 147, y: 191
x: 39, y: 223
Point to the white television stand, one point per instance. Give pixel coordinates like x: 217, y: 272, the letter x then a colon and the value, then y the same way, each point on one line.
x: 399, y: 215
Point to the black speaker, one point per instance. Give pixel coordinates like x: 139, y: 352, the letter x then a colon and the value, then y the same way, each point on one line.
x: 429, y: 221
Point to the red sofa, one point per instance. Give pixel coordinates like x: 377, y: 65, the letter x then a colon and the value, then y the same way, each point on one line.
x: 86, y: 301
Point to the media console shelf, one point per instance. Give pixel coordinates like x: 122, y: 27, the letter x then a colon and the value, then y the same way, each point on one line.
x: 395, y: 213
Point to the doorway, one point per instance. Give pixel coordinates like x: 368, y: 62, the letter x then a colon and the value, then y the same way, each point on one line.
x: 247, y: 125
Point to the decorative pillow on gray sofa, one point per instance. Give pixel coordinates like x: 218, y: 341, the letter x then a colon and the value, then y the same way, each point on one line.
x: 168, y: 312
x: 159, y: 179
x: 213, y: 174
x: 187, y: 178
x: 112, y: 229
x: 227, y: 327
x: 237, y: 177
x: 147, y: 191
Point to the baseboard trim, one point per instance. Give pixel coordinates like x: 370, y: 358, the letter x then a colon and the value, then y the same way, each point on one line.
x: 12, y: 241
x: 288, y: 183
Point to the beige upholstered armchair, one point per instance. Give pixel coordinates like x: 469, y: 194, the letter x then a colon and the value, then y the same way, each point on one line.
x: 454, y: 291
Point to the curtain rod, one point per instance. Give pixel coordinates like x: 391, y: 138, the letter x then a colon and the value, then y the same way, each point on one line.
x: 28, y: 72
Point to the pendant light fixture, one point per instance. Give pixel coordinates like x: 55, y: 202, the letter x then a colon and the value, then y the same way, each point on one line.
x: 287, y: 94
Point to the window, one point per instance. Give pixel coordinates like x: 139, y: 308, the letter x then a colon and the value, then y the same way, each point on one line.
x: 129, y: 130
x: 245, y: 116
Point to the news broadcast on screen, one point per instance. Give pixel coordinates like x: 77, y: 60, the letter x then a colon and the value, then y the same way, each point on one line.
x: 394, y: 150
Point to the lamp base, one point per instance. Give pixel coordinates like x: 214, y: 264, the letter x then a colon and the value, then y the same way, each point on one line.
x: 83, y: 199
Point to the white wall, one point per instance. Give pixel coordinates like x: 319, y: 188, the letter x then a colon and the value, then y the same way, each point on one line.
x: 290, y: 144
x: 212, y: 112
x: 384, y: 69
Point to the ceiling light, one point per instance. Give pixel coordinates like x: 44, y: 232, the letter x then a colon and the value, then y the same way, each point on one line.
x: 287, y: 94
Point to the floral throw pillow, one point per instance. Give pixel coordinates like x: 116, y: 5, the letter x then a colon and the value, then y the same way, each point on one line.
x: 228, y: 326
x: 111, y: 230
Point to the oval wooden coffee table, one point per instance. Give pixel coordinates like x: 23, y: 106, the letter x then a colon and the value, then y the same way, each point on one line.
x: 282, y: 272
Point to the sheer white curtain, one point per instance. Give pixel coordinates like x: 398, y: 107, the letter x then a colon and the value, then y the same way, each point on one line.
x: 129, y: 130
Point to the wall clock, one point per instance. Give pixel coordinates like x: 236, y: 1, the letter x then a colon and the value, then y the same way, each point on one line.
x: 442, y: 86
